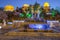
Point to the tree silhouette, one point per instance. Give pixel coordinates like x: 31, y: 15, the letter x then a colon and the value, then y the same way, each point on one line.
x: 3, y: 16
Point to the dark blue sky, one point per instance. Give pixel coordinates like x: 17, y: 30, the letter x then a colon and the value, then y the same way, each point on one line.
x: 19, y: 3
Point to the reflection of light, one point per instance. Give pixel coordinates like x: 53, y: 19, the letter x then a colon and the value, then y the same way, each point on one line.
x: 39, y: 26
x: 48, y: 13
x: 19, y: 21
x: 52, y: 22
x: 0, y: 27
x: 10, y: 23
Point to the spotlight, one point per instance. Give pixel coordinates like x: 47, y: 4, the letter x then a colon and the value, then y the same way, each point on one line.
x: 0, y: 27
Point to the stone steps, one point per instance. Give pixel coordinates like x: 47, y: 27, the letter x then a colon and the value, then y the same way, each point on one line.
x: 33, y: 34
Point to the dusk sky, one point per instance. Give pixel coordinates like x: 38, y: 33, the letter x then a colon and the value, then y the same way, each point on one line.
x: 19, y: 3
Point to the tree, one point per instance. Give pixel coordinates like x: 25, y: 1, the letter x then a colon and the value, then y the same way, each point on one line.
x: 16, y: 14
x: 28, y: 15
x: 36, y: 6
x: 53, y: 13
x: 22, y: 15
x: 3, y: 16
x: 58, y: 9
x: 43, y: 14
x: 9, y: 14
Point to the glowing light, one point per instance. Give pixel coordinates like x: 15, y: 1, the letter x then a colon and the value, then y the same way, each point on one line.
x: 9, y: 8
x: 21, y: 15
x: 18, y: 21
x: 25, y: 5
x: 46, y: 4
x: 0, y: 27
x: 10, y: 23
x: 29, y: 15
